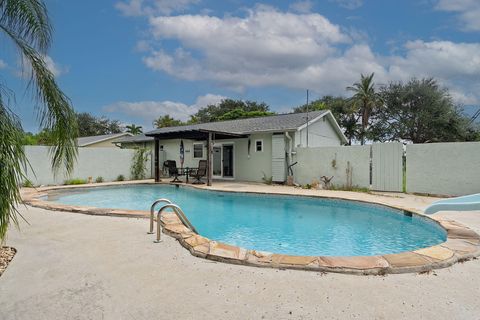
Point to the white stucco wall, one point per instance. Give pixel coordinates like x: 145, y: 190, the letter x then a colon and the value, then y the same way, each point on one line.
x: 91, y: 162
x: 316, y: 162
x: 320, y: 134
x: 444, y: 168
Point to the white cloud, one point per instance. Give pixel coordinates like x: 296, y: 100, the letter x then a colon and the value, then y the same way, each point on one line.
x: 150, y: 110
x: 54, y: 67
x: 349, y: 4
x: 271, y: 48
x: 3, y: 64
x: 468, y: 12
x: 304, y: 6
x: 150, y: 7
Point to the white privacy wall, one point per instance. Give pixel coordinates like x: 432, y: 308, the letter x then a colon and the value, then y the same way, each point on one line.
x: 444, y: 168
x: 91, y: 162
x: 316, y: 162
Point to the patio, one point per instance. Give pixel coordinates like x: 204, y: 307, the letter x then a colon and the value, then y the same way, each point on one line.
x: 73, y: 265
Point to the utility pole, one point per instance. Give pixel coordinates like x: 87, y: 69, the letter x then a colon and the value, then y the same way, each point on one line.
x: 307, y: 118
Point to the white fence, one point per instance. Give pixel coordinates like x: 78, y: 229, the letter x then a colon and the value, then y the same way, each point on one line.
x: 436, y: 168
x: 444, y: 168
x: 334, y: 161
x: 387, y: 166
x: 107, y: 163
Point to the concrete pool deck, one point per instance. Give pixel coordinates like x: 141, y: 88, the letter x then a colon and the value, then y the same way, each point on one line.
x: 461, y: 243
x: 75, y: 266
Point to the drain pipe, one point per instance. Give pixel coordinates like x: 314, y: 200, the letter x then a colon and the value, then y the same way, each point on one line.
x: 289, y: 147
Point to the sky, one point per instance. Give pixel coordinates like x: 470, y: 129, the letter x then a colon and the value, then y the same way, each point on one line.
x: 135, y: 60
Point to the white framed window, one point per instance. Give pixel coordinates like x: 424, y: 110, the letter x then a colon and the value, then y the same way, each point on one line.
x: 198, y: 150
x: 258, y: 145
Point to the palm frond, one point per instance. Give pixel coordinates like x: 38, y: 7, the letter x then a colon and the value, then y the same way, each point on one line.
x: 29, y: 18
x: 55, y: 113
x: 13, y: 162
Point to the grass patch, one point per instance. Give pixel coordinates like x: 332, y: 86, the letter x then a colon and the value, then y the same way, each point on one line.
x: 349, y: 188
x: 75, y: 181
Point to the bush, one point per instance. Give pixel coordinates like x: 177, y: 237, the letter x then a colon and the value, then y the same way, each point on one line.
x: 121, y: 177
x: 99, y: 180
x: 139, y: 161
x: 27, y: 184
x: 267, y: 180
x: 75, y: 181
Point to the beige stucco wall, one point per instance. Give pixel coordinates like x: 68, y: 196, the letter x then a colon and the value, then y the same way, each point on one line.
x: 316, y: 162
x: 444, y: 168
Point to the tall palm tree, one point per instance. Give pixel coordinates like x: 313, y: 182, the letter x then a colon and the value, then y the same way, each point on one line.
x: 364, y: 100
x: 133, y: 129
x: 27, y: 25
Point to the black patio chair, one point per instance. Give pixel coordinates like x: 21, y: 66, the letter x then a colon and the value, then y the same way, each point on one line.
x: 171, y: 166
x: 200, y: 172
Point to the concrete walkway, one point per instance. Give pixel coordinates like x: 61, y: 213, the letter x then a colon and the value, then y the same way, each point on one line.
x: 74, y: 266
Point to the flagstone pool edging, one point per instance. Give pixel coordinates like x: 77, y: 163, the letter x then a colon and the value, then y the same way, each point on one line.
x: 462, y: 243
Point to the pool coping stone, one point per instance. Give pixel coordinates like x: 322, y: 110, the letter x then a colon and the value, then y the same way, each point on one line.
x: 462, y: 243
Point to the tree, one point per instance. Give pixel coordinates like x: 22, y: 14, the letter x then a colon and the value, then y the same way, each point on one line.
x: 242, y: 114
x: 341, y: 109
x: 365, y: 100
x: 89, y: 125
x: 247, y: 109
x: 420, y: 111
x: 133, y: 129
x: 166, y: 121
x: 27, y: 25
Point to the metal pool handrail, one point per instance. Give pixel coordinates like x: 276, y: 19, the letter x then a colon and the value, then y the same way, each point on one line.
x: 152, y: 211
x: 179, y: 212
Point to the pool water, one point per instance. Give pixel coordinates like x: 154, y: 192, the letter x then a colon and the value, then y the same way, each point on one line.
x: 281, y: 224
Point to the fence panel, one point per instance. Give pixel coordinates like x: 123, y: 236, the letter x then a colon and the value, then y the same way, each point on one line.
x: 107, y: 163
x: 349, y: 165
x: 444, y: 168
x: 387, y: 167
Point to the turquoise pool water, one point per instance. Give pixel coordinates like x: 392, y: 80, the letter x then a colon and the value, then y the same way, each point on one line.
x: 280, y: 224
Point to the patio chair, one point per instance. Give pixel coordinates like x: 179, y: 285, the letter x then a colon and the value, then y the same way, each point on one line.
x: 171, y: 166
x: 200, y: 172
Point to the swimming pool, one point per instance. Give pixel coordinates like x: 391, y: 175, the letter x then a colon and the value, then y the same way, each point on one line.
x: 282, y: 224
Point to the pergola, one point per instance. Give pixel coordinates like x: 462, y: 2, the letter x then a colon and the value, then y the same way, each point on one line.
x: 190, y: 134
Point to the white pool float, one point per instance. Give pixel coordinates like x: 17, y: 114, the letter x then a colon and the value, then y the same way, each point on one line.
x: 464, y: 203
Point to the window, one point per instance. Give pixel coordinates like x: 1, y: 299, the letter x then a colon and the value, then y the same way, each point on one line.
x: 198, y: 150
x: 258, y: 145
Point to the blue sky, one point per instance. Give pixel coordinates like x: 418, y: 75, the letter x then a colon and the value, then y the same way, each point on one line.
x: 135, y: 60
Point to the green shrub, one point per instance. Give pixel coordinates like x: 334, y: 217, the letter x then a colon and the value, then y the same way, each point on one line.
x: 27, y: 184
x: 121, y: 177
x: 75, y: 181
x: 139, y: 162
x: 267, y: 180
x: 99, y: 180
x: 346, y: 188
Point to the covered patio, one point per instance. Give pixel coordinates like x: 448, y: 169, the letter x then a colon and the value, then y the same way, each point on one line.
x: 187, y: 133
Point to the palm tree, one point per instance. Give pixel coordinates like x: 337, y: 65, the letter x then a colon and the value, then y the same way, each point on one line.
x: 133, y: 129
x: 27, y: 25
x: 364, y: 101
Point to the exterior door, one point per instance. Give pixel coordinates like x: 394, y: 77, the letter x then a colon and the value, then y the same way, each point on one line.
x: 217, y: 162
x: 227, y: 151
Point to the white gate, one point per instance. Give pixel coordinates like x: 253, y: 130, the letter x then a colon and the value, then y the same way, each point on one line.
x: 387, y: 166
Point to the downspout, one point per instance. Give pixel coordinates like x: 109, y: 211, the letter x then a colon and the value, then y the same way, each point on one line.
x: 289, y: 147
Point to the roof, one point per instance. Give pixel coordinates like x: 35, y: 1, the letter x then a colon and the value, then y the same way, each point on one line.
x: 281, y: 122
x: 86, y: 141
x: 134, y: 139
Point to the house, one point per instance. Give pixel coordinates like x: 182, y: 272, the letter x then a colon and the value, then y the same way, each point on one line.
x: 101, y: 141
x: 243, y: 149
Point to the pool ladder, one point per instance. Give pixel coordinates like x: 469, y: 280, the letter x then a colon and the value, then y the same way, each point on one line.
x: 176, y: 209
